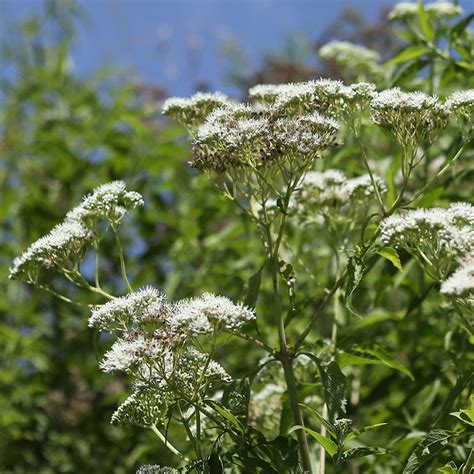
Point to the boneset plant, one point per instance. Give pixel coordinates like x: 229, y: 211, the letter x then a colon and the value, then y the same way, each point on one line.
x: 278, y: 159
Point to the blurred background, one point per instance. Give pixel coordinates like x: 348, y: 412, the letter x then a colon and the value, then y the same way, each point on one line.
x: 80, y: 87
x: 183, y: 45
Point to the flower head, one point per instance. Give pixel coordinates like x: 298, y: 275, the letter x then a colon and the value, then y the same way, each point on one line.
x: 62, y: 248
x: 410, y: 117
x: 405, y: 11
x: 109, y: 201
x: 209, y: 313
x: 144, y: 407
x: 357, y: 59
x: 461, y: 104
x: 461, y: 282
x: 332, y: 194
x: 191, y: 111
x: 139, y: 307
x: 435, y: 237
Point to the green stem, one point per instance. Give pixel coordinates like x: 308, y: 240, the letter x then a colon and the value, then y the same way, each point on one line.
x: 367, y: 167
x: 254, y: 340
x: 168, y: 444
x: 60, y: 296
x: 123, y: 268
x: 439, y: 173
x: 469, y: 463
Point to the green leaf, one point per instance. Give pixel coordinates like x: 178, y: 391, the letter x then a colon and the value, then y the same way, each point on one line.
x: 450, y: 468
x: 329, y: 426
x: 424, y: 22
x: 357, y: 433
x: 459, y: 27
x: 253, y: 288
x: 465, y: 65
x: 391, y: 254
x: 326, y: 443
x: 361, y: 452
x: 432, y: 444
x: 407, y: 54
x: 334, y: 386
x: 283, y: 452
x: 408, y: 71
x: 356, y: 269
x: 388, y: 360
x: 234, y: 421
x: 470, y: 411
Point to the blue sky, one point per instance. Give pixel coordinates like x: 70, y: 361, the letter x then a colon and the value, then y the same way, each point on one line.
x: 179, y: 42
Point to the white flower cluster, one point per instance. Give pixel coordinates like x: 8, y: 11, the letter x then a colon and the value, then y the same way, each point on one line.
x: 410, y: 117
x: 329, y: 191
x: 191, y: 111
x: 146, y: 304
x: 327, y: 95
x: 404, y: 11
x: 196, y: 316
x: 353, y: 57
x: 110, y: 201
x: 243, y: 136
x: 461, y: 104
x: 156, y: 469
x: 461, y: 282
x: 156, y: 345
x: 64, y: 247
x: 208, y: 313
x: 435, y: 237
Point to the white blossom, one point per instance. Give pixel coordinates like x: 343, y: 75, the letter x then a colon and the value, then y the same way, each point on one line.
x: 406, y: 10
x: 156, y: 469
x: 332, y: 188
x: 109, y: 201
x: 411, y: 117
x: 131, y: 351
x: 63, y: 247
x: 209, y: 312
x: 436, y: 236
x: 146, y: 304
x: 461, y: 282
x: 462, y: 98
x: 356, y: 59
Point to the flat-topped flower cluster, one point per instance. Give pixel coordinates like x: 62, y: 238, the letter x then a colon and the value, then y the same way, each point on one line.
x: 157, y: 345
x: 436, y: 237
x: 406, y: 11
x: 63, y: 248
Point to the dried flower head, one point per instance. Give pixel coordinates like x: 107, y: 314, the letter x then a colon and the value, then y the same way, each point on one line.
x: 109, y: 201
x: 62, y: 248
x: 192, y: 111
x: 435, y: 237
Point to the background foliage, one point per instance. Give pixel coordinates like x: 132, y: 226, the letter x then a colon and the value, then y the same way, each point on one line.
x: 61, y: 136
